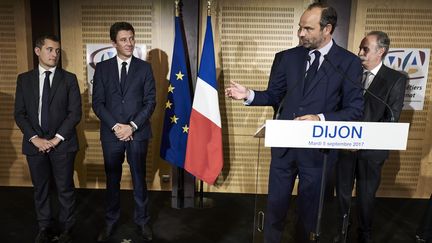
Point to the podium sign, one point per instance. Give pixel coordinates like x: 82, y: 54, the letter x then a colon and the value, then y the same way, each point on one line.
x: 336, y: 134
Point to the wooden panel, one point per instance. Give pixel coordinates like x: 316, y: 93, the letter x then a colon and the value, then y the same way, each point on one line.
x: 247, y: 36
x: 15, y: 57
x: 408, y: 24
x: 85, y: 22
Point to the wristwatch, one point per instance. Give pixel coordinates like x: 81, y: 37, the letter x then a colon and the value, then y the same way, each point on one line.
x: 133, y: 128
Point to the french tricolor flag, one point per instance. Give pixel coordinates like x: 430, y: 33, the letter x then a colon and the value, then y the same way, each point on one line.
x: 204, y: 154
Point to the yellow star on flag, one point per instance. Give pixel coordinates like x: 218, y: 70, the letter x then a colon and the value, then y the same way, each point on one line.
x: 179, y: 75
x: 174, y: 119
x: 185, y: 129
x: 171, y: 88
x: 168, y: 105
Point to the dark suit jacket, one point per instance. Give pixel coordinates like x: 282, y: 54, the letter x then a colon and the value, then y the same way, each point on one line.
x: 389, y: 85
x: 64, y: 109
x: 329, y: 93
x: 136, y: 103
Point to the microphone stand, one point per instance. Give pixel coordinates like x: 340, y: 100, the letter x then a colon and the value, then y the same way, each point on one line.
x: 346, y: 216
x: 315, y: 236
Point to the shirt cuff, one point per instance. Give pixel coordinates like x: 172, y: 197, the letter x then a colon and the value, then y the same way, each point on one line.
x: 114, y: 126
x: 321, y: 116
x: 60, y: 136
x: 134, y: 125
x: 250, y: 98
x: 32, y: 138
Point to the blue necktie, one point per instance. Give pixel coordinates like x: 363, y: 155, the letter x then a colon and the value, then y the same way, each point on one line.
x: 45, y: 103
x: 311, y: 72
x: 123, y: 76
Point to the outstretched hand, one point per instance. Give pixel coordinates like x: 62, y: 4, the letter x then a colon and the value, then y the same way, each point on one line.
x: 236, y: 91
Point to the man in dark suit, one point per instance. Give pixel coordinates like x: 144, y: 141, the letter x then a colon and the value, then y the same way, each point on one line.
x: 124, y: 100
x: 364, y: 166
x: 305, y: 87
x: 47, y: 110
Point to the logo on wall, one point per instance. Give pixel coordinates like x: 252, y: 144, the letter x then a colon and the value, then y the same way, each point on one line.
x: 99, y: 52
x: 415, y: 63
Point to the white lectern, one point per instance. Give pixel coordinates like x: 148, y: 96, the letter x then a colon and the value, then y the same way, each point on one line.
x: 333, y: 135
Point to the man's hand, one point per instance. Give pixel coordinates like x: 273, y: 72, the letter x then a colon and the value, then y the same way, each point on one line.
x: 123, y: 132
x: 236, y: 91
x: 55, y: 141
x: 308, y: 118
x: 42, y: 144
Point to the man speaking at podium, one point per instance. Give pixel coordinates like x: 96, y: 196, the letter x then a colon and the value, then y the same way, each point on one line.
x: 365, y: 166
x: 305, y: 85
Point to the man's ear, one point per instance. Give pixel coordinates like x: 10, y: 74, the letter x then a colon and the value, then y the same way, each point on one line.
x: 328, y: 28
x: 37, y: 51
x: 381, y: 51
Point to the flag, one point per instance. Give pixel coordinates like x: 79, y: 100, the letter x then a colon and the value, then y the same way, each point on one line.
x: 204, y: 156
x: 178, y: 105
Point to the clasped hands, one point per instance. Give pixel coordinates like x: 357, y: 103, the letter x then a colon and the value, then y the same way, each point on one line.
x: 45, y: 145
x: 123, y: 132
x: 239, y: 92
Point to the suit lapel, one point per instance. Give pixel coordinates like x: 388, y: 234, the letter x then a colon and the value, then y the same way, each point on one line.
x: 57, y: 79
x: 35, y: 86
x: 115, y: 73
x: 130, y: 74
x: 377, y: 80
x: 323, y: 69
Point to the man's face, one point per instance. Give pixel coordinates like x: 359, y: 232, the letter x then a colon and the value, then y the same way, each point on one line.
x: 125, y: 44
x: 48, y: 54
x: 309, y: 33
x: 369, y: 52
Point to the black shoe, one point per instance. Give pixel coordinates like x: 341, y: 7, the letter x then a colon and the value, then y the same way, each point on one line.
x: 65, y: 237
x: 42, y: 236
x: 340, y: 239
x: 106, y: 233
x: 420, y: 239
x: 146, y: 232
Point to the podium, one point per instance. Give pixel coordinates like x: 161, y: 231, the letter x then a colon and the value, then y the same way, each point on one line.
x: 330, y: 135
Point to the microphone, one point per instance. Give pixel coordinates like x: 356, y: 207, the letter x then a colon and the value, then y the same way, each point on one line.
x: 392, y: 119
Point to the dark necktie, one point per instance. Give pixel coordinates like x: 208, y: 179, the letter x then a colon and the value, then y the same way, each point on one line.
x: 311, y: 72
x: 123, y: 76
x: 45, y: 103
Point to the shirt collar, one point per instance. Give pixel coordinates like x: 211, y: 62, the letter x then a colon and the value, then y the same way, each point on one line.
x: 120, y: 61
x: 324, y: 50
x: 375, y: 70
x: 43, y: 70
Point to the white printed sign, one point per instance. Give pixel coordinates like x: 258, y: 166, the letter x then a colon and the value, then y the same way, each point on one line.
x: 336, y: 135
x: 415, y: 63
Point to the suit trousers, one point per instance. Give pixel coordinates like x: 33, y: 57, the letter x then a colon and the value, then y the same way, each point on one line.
x: 308, y: 165
x: 114, y: 155
x: 46, y: 168
x: 367, y: 173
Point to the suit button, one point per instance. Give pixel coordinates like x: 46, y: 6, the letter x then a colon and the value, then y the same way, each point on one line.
x: 122, y: 101
x: 300, y: 108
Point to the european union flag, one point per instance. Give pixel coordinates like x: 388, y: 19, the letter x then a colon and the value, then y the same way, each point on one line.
x: 178, y: 105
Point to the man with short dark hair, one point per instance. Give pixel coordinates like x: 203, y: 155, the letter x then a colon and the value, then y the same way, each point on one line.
x: 124, y: 100
x: 47, y: 110
x: 365, y: 166
x: 304, y: 85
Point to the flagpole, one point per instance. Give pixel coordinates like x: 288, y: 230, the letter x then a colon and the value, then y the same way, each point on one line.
x: 201, y: 192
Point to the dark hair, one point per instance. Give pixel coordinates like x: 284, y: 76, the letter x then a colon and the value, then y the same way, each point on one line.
x: 383, y: 41
x: 40, y: 41
x: 328, y: 15
x: 118, y: 26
